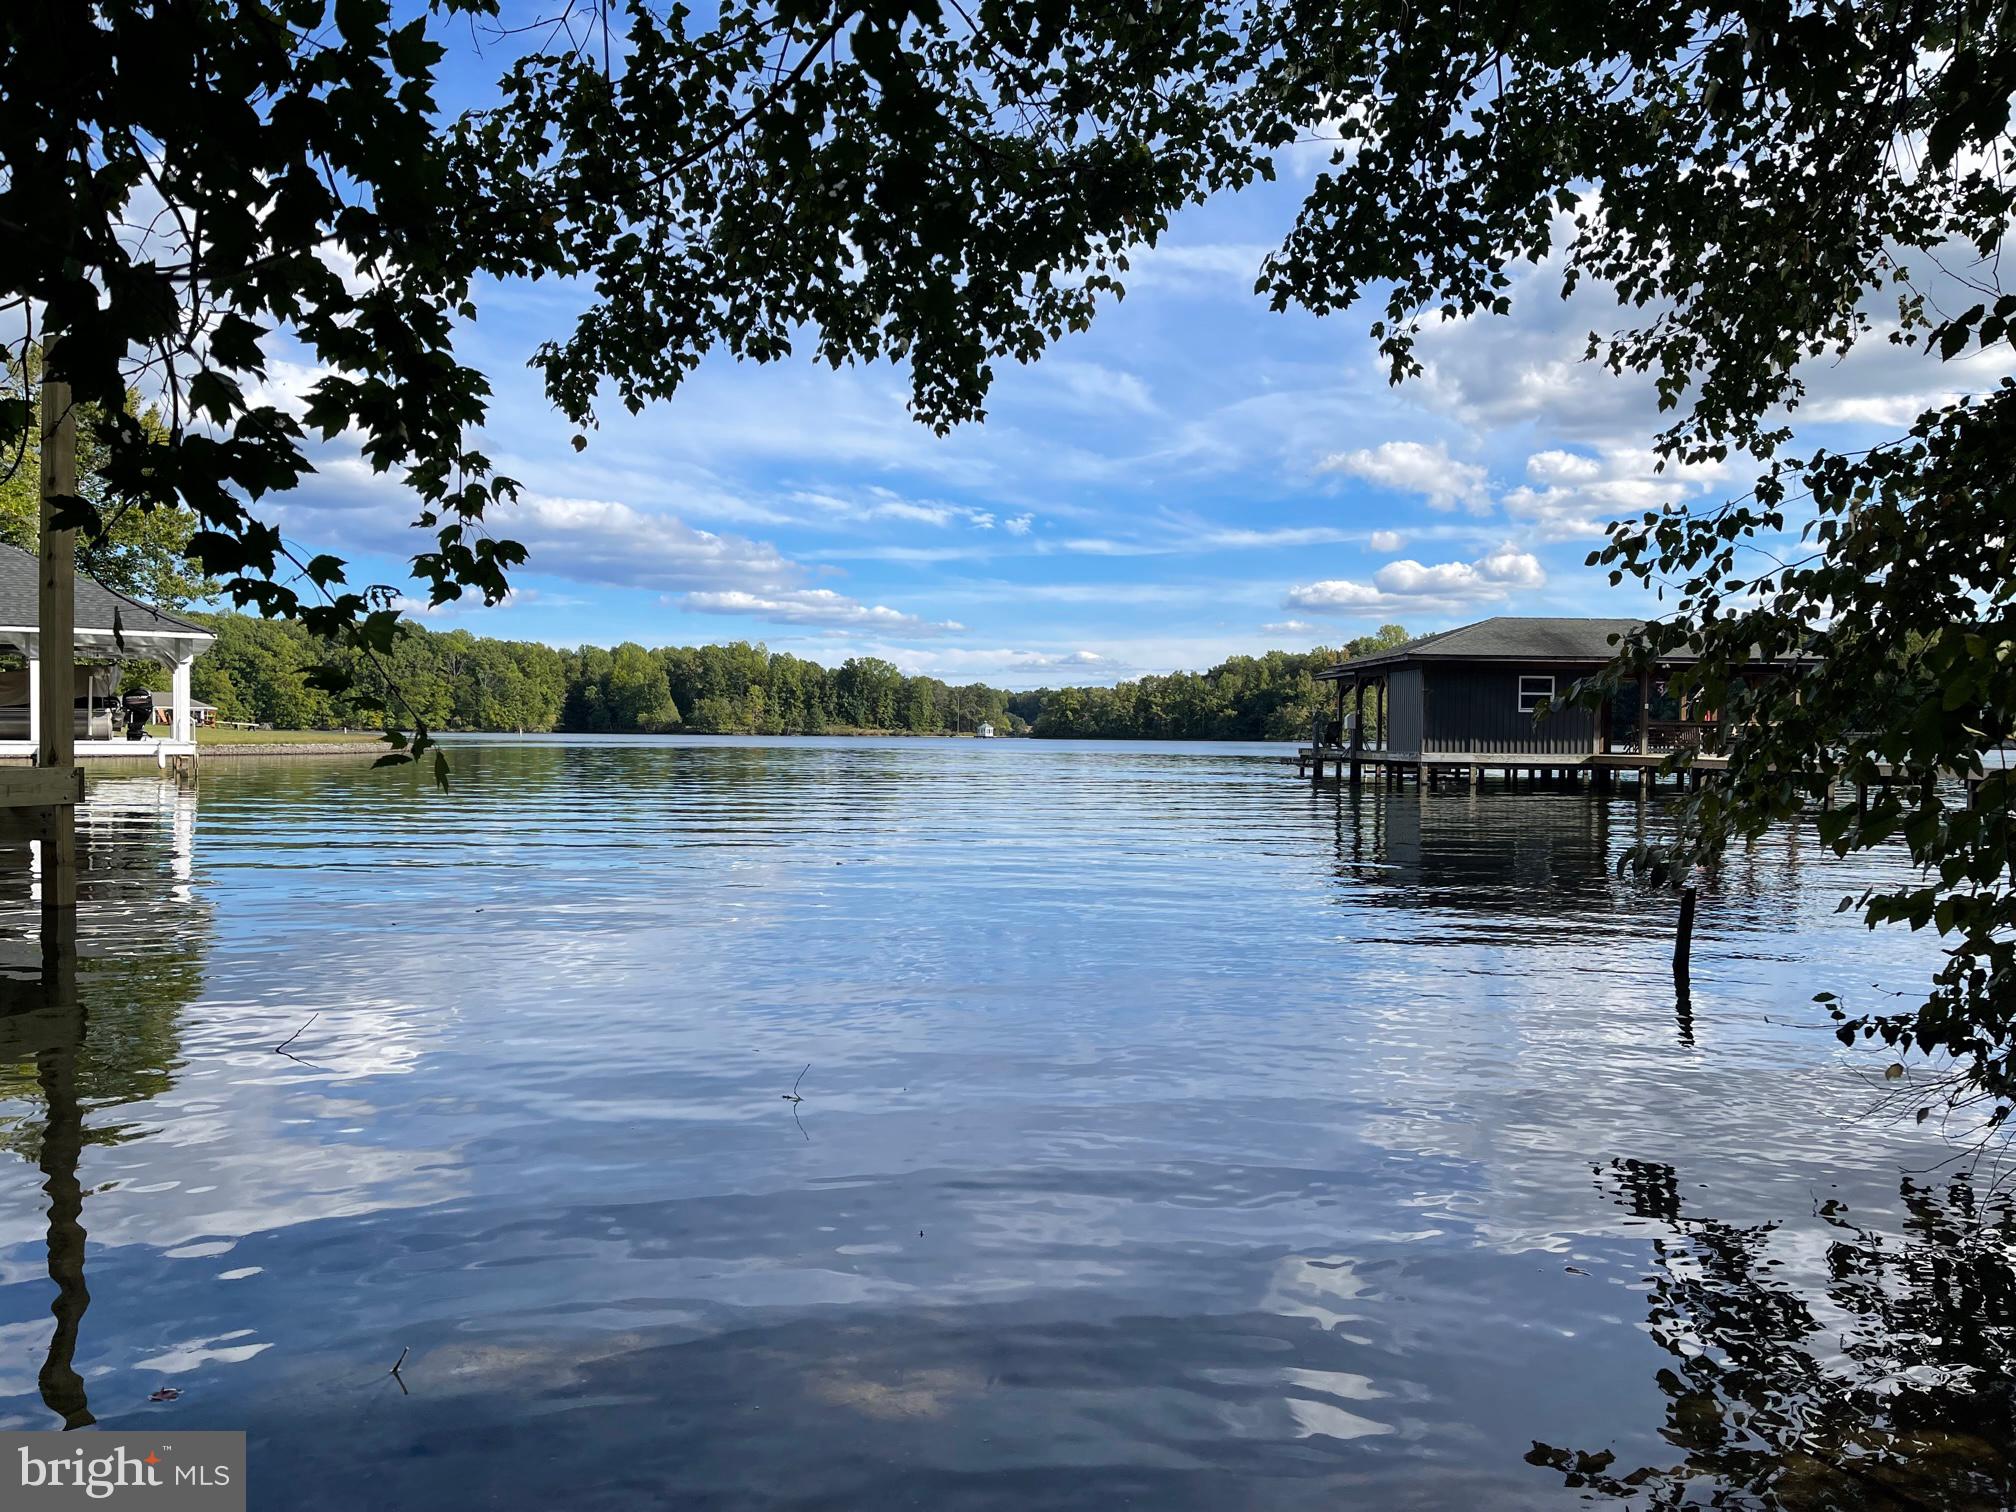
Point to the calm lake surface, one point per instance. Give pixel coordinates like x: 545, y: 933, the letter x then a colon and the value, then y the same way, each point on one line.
x: 1173, y: 1136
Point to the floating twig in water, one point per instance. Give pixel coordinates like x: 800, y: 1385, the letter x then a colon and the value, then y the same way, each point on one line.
x: 794, y: 1099
x: 281, y: 1048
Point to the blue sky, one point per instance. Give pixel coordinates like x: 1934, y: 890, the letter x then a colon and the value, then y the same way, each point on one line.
x: 1194, y: 477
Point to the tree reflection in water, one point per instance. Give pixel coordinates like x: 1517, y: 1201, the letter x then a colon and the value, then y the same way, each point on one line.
x: 1887, y: 1387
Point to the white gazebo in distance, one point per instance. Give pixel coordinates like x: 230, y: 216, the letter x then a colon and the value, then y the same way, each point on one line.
x: 109, y: 626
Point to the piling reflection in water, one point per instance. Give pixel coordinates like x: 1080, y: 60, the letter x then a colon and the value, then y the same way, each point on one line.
x: 42, y: 1027
x: 143, y: 936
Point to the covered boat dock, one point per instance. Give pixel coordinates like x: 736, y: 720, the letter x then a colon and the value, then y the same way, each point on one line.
x: 1467, y: 702
x: 111, y: 630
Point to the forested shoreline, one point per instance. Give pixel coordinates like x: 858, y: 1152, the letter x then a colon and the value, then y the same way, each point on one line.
x: 260, y: 671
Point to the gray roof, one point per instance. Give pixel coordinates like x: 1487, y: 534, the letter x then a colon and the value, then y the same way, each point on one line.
x: 1508, y: 638
x: 20, y: 579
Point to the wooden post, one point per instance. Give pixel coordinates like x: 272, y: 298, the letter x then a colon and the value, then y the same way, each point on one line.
x: 183, y: 726
x: 1644, y: 711
x: 1357, y: 727
x: 57, y: 644
x: 1683, y: 937
x: 1599, y: 771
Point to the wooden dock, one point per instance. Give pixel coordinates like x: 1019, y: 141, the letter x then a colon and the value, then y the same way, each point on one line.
x: 1431, y: 769
x: 1598, y: 770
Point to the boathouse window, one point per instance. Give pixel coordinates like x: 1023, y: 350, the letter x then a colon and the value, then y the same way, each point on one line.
x: 1534, y: 691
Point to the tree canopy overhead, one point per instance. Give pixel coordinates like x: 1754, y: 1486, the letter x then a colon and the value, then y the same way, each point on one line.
x: 184, y: 184
x: 140, y: 553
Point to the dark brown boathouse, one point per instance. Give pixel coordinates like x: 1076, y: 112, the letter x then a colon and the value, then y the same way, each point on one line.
x: 1469, y: 700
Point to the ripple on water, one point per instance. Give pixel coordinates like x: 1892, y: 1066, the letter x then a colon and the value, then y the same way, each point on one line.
x: 1172, y: 1131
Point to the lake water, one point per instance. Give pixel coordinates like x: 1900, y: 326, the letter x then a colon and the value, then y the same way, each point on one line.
x: 1173, y: 1135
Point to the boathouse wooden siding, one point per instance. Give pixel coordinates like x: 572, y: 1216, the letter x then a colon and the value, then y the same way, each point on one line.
x: 1476, y: 708
x: 1405, y: 709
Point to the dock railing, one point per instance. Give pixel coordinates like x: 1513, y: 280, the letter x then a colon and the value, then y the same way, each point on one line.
x: 1703, y: 736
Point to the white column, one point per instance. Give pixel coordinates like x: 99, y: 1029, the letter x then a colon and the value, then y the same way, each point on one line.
x: 181, y: 699
x: 35, y: 700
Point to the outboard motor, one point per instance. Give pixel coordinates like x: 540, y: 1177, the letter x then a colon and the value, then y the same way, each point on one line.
x: 139, y: 711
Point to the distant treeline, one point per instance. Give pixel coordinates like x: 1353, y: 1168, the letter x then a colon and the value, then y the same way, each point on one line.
x: 258, y: 671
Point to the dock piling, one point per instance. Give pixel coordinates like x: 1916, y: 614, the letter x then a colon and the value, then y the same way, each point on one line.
x: 56, y: 642
x: 1683, y: 939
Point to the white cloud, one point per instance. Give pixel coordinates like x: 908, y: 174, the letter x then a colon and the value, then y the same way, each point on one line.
x: 1018, y: 524
x: 913, y: 555
x: 1408, y: 585
x: 1332, y: 140
x: 1151, y: 593
x: 1573, y: 496
x: 1509, y: 565
x: 1189, y: 535
x: 1287, y: 535
x: 600, y: 540
x: 1528, y: 369
x: 1334, y: 595
x: 1412, y: 467
x: 876, y: 503
x: 1386, y: 540
x: 349, y: 507
x: 1565, y: 467
x: 1095, y: 386
x: 472, y: 608
x: 1105, y: 546
x: 1224, y: 267
x: 1290, y: 627
x: 815, y: 606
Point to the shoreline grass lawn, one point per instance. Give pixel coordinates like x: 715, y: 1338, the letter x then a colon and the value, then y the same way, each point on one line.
x: 218, y: 735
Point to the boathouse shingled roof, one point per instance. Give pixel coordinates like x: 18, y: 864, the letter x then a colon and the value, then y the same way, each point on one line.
x: 20, y: 577
x: 1505, y: 637
x: 1511, y: 638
